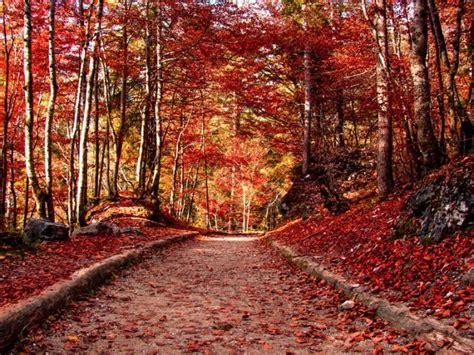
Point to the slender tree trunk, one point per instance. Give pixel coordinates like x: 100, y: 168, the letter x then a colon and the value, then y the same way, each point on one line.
x: 123, y: 107
x: 178, y: 152
x: 203, y: 150
x: 77, y: 114
x: 140, y: 170
x: 421, y: 88
x: 6, y: 118
x: 51, y: 108
x: 307, y: 102
x: 230, y: 223
x: 249, y: 206
x: 183, y: 181
x: 38, y: 194
x: 354, y: 123
x: 27, y: 201
x: 194, y: 185
x: 457, y: 111
x: 155, y: 185
x: 244, y: 208
x: 108, y: 127
x: 441, y: 109
x: 385, y: 180
x: 97, y: 165
x: 14, y: 213
x: 340, y: 120
x: 141, y: 163
x: 81, y: 197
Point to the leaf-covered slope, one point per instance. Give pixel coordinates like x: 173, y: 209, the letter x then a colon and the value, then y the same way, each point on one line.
x: 360, y: 244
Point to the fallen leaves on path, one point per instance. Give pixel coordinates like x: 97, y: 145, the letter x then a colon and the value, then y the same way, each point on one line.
x: 219, y: 296
x: 22, y: 276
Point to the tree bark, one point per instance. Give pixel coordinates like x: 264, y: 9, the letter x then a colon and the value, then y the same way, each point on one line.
x: 421, y: 88
x: 457, y: 111
x: 123, y: 105
x: 108, y: 105
x: 81, y: 197
x: 441, y: 92
x: 77, y: 113
x: 6, y: 118
x: 155, y: 185
x: 13, y: 211
x: 38, y: 193
x: 203, y: 151
x: 340, y: 120
x: 141, y: 162
x: 97, y: 164
x: 385, y: 180
x: 307, y: 101
x: 50, y: 114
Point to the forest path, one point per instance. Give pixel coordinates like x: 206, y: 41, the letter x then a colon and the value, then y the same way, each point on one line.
x: 212, y: 295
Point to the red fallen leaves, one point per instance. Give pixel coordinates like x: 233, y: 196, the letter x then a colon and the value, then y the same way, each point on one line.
x: 358, y: 244
x: 48, y: 263
x: 193, y: 346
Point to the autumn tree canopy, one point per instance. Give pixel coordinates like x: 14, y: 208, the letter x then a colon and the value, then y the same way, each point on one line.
x: 209, y: 108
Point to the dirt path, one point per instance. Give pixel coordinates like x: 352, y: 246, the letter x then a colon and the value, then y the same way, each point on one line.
x: 214, y: 295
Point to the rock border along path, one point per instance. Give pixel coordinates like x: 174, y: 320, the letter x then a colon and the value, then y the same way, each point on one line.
x: 429, y: 329
x: 18, y: 318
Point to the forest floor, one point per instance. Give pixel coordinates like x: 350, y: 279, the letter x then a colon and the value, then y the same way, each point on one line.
x: 360, y: 246
x: 28, y: 270
x: 215, y: 295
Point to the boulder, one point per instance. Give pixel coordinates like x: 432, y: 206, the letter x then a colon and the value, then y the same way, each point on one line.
x: 131, y: 230
x: 97, y: 228
x: 42, y: 229
x: 468, y: 278
x: 347, y: 305
x: 442, y: 206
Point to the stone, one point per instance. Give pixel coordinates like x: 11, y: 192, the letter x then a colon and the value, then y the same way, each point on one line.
x: 97, y: 228
x: 44, y: 230
x: 131, y: 230
x: 468, y: 277
x: 441, y: 207
x: 347, y: 305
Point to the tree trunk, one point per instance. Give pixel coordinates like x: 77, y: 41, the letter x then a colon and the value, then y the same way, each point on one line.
x: 50, y: 115
x: 307, y: 102
x: 77, y: 114
x: 440, y: 97
x: 13, y: 206
x: 97, y: 167
x: 81, y: 197
x: 457, y: 111
x: 385, y: 140
x: 123, y: 106
x: 244, y: 208
x: 421, y: 88
x: 6, y: 118
x: 108, y: 127
x: 38, y: 194
x: 203, y: 150
x: 141, y: 163
x: 340, y: 120
x: 27, y: 201
x: 155, y: 185
x: 177, y: 156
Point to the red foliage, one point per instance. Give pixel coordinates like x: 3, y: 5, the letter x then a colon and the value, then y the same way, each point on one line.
x: 28, y: 275
x: 358, y: 244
